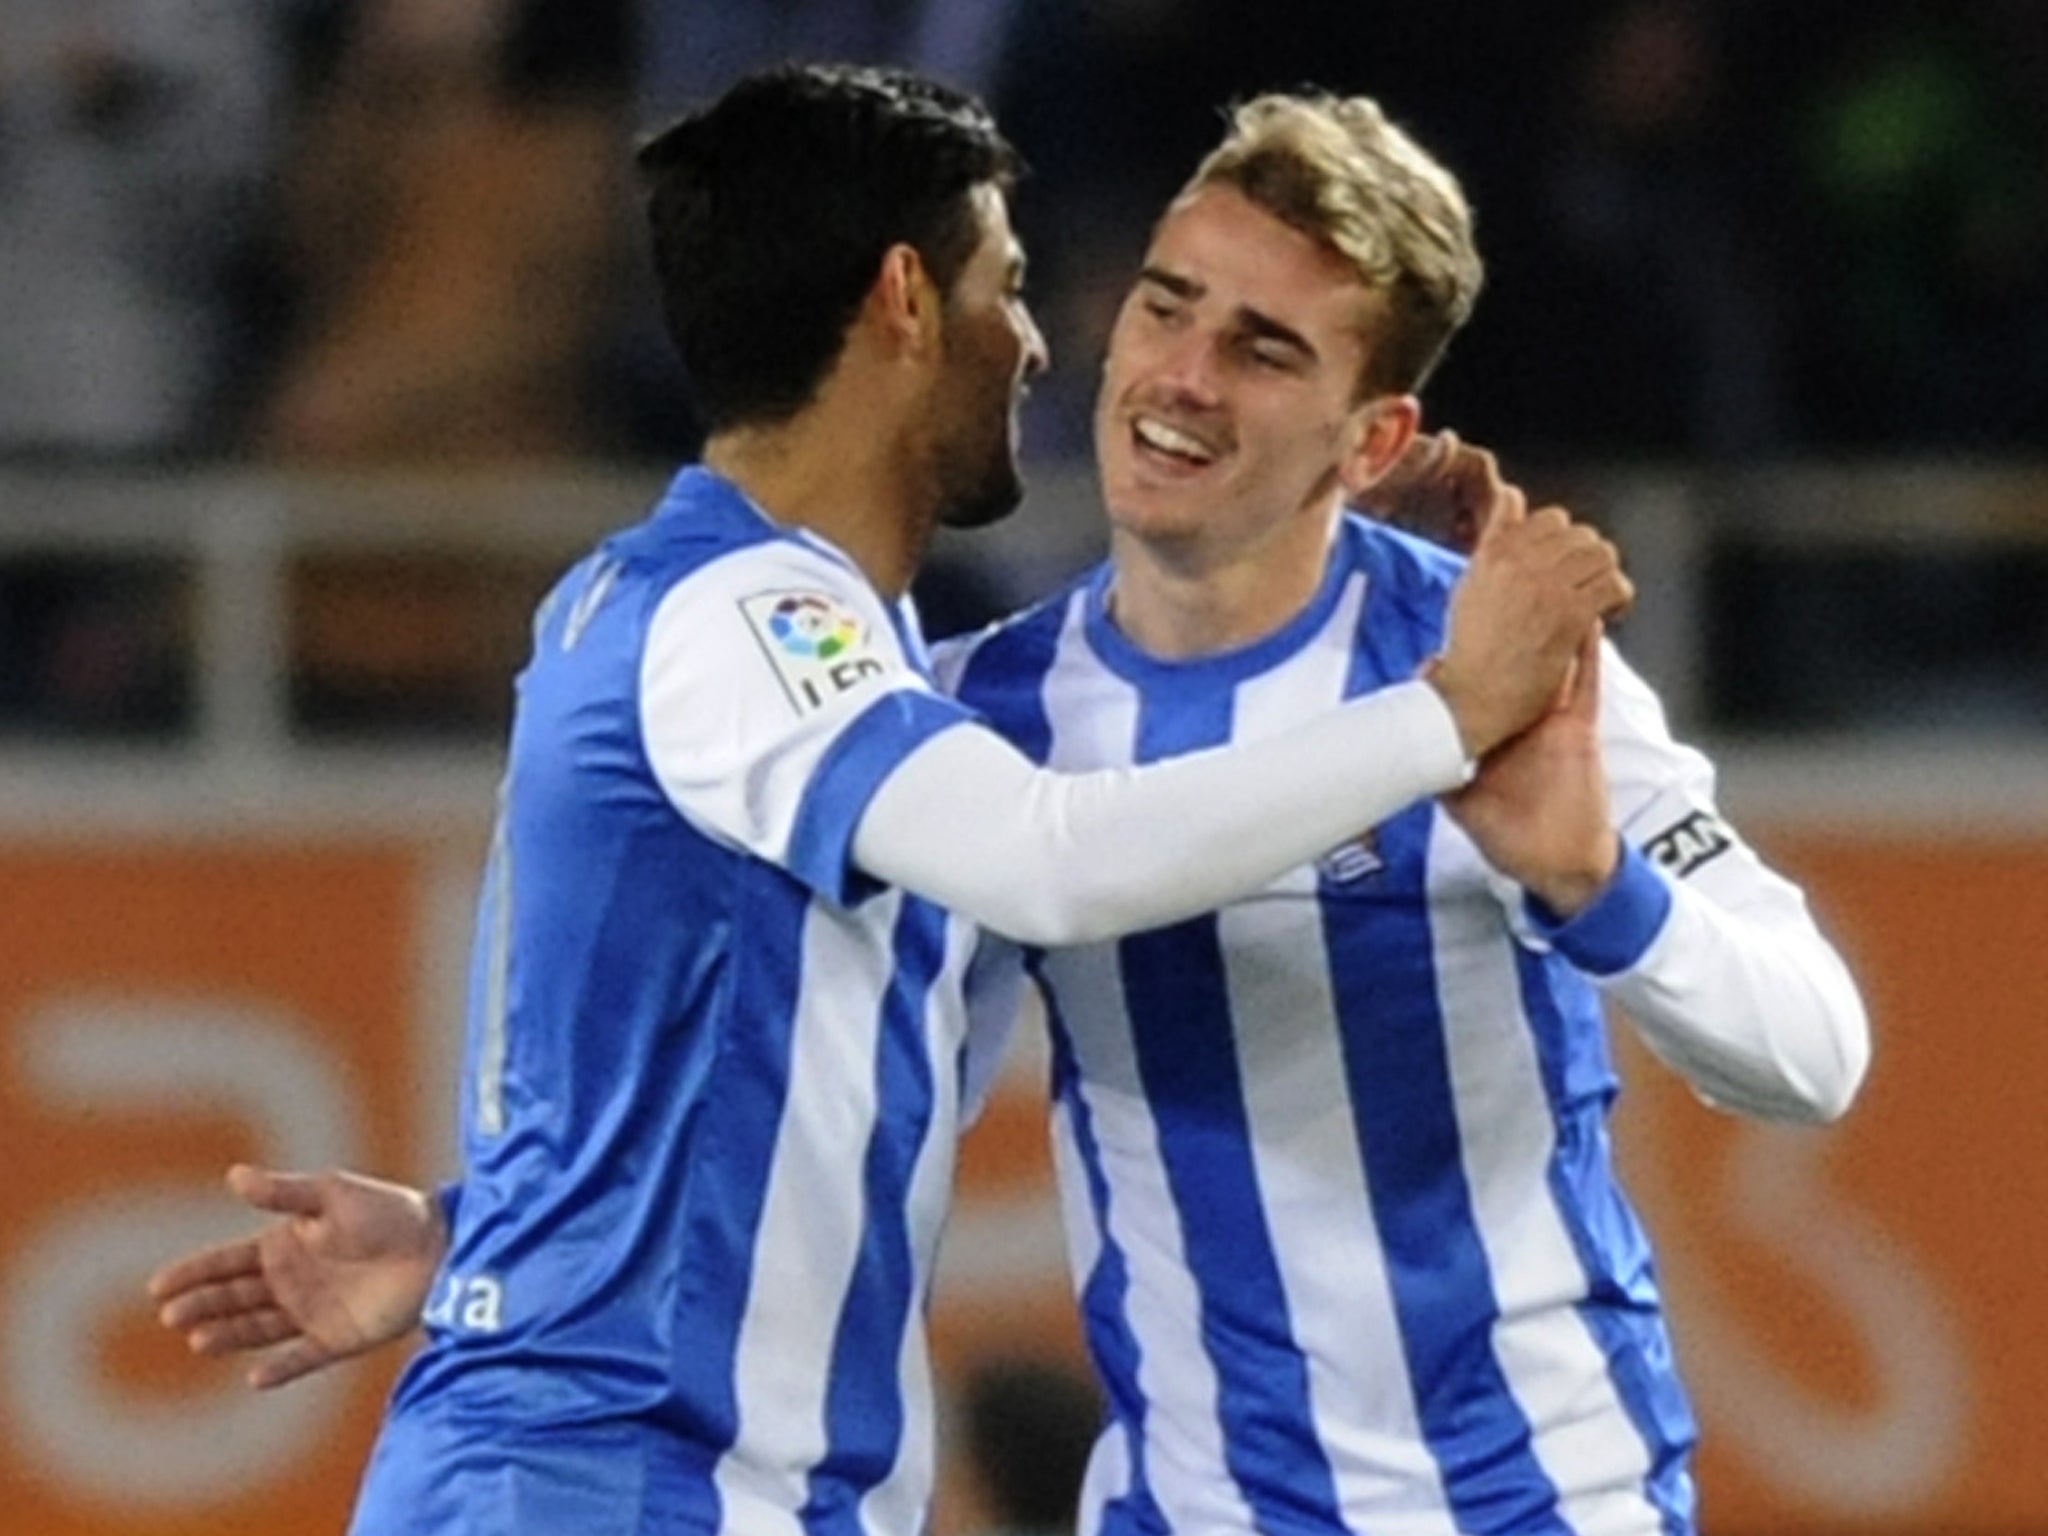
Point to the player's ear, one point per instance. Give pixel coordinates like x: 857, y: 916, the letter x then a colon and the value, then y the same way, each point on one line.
x: 904, y: 301
x: 1376, y: 434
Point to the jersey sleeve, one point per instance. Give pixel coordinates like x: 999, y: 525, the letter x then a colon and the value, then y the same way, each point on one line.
x: 775, y: 696
x: 1712, y: 953
x: 1052, y: 858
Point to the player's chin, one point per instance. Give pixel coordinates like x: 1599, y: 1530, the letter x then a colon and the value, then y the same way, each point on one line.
x: 990, y: 498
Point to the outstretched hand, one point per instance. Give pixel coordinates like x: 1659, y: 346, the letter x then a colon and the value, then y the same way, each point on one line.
x: 346, y: 1270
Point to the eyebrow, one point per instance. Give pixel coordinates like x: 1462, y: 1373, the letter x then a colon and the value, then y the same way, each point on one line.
x: 1261, y: 325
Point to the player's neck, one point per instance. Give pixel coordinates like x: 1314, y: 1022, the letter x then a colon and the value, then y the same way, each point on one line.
x: 1179, y: 602
x: 854, y: 489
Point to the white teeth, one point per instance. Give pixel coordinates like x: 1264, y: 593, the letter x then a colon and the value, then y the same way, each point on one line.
x: 1157, y: 434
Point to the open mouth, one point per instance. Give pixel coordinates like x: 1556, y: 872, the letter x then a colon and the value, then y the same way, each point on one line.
x: 1158, y: 442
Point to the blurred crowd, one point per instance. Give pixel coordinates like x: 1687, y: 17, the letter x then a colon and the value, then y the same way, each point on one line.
x: 348, y: 230
x: 342, y: 233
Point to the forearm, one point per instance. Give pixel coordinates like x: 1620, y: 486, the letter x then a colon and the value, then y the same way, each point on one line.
x: 1766, y: 1022
x: 1752, y: 1006
x: 1056, y: 859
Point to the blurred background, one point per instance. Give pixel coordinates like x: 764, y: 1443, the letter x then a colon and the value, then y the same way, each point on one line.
x: 325, y: 339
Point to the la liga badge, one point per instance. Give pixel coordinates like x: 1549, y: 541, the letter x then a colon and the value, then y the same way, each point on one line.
x: 818, y: 646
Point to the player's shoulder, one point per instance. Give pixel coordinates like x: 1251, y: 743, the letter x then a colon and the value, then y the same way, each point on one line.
x: 705, y: 544
x: 1401, y: 559
x: 1407, y: 576
x: 701, y: 559
x: 1014, y: 650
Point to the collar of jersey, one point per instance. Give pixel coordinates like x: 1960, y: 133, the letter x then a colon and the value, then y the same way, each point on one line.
x: 697, y: 489
x: 1133, y: 665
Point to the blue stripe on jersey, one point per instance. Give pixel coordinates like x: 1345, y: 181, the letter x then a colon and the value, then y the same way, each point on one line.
x: 1399, y: 1077
x: 1621, y: 1310
x: 742, y: 1111
x: 1177, y: 997
x: 846, y: 778
x: 1383, y: 985
x: 864, y: 1402
x: 1004, y: 679
x: 1105, y: 1293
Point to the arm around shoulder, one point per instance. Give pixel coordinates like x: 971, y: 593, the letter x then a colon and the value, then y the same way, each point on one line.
x: 1051, y: 858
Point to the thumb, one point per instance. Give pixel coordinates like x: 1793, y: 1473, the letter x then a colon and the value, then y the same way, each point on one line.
x: 1507, y: 509
x: 1585, y: 700
x: 287, y: 1194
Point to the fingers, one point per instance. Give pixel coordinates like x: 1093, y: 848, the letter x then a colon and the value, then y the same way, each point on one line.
x: 243, y: 1293
x: 227, y: 1261
x: 1505, y: 506
x: 1587, y: 560
x: 1410, y: 493
x: 1420, y: 459
x: 1481, y: 494
x: 1474, y: 470
x: 1446, y: 489
x: 287, y: 1194
x: 1605, y: 586
x: 1508, y: 512
x: 1510, y: 507
x: 300, y: 1357
x: 247, y: 1330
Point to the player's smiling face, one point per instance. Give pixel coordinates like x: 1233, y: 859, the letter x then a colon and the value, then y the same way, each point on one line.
x: 1229, y: 396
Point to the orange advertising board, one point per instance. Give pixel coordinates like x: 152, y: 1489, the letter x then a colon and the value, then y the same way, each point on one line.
x: 165, y: 1010
x: 1860, y: 1309
x: 1857, y: 1308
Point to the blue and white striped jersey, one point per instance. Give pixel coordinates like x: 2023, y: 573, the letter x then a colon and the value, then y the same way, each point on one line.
x: 713, y: 1077
x: 1334, y: 1160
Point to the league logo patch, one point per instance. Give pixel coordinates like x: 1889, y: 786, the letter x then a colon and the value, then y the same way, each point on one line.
x: 818, y: 646
x: 1685, y: 845
x: 808, y: 625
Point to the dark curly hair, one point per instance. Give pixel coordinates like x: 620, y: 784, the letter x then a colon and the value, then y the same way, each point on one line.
x: 771, y: 210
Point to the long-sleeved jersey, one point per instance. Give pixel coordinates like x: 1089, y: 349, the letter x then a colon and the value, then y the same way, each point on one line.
x: 710, y: 1096
x: 1335, y: 1162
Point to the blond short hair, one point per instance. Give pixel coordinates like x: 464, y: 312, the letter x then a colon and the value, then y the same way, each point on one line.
x: 1334, y: 168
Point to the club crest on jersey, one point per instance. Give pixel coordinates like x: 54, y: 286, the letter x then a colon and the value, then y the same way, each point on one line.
x: 1351, y: 861
x: 1685, y: 845
x: 818, y: 646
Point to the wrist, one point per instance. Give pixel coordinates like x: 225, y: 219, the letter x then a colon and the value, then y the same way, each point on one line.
x: 1475, y: 733
x: 1569, y: 891
x: 1612, y: 934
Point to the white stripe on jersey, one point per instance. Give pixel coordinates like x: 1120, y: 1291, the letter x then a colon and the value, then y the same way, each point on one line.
x: 1109, y: 1464
x: 898, y: 1503
x: 1085, y: 738
x: 1182, y: 1452
x: 816, y: 1204
x: 1553, y: 1365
